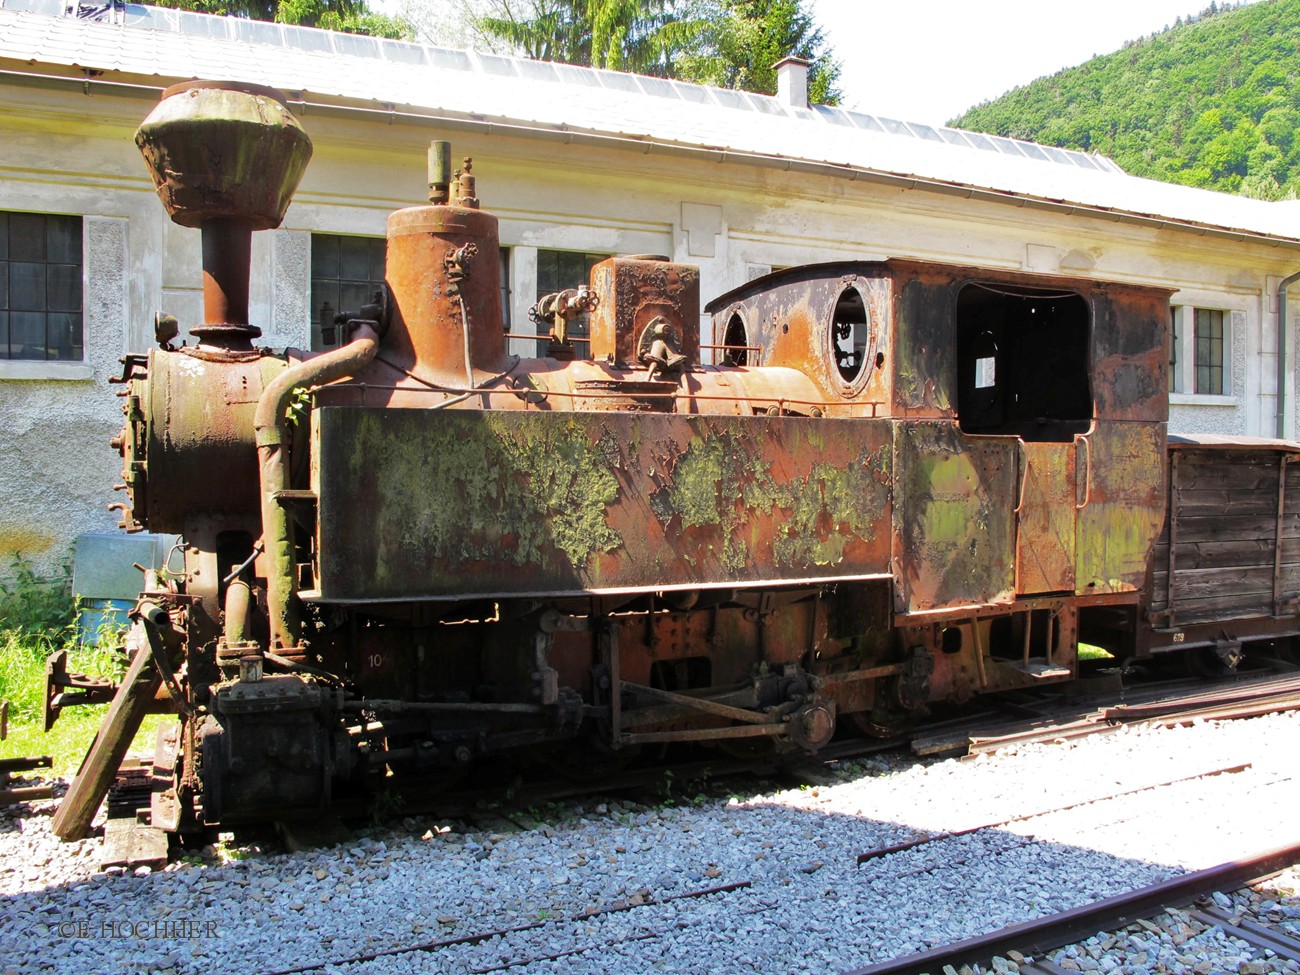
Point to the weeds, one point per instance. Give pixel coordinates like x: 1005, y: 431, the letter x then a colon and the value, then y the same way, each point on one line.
x: 38, y: 616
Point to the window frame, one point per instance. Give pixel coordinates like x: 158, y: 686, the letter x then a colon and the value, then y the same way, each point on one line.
x: 579, y: 327
x: 72, y: 366
x: 317, y: 328
x: 1184, y: 348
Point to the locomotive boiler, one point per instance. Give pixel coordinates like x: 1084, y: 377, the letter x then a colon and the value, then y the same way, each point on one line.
x: 881, y: 485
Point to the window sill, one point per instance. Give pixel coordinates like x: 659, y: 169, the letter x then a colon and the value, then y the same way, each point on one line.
x: 1200, y: 399
x: 35, y: 370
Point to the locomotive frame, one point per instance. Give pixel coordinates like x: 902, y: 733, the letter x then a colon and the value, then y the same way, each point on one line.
x: 904, y: 483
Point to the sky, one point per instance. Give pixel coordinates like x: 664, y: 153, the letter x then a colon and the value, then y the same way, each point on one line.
x: 930, y: 60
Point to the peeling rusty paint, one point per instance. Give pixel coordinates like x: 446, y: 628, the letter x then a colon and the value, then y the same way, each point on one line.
x: 956, y: 532
x: 500, y: 503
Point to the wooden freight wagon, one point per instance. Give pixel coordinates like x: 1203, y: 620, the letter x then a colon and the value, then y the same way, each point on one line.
x: 1226, y: 567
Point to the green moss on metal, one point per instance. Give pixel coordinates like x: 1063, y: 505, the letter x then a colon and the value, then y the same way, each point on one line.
x: 485, y: 490
x: 723, y: 482
x: 570, y: 485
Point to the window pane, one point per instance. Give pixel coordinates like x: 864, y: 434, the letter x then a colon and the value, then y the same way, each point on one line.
x: 346, y: 273
x: 354, y: 294
x: 27, y: 287
x: 27, y: 335
x: 378, y: 254
x: 40, y: 273
x: 26, y: 237
x: 63, y: 240
x: 322, y: 292
x: 354, y: 258
x: 324, y: 256
x: 547, y: 272
x: 63, y: 287
x: 63, y: 331
x: 4, y: 335
x: 1209, y: 339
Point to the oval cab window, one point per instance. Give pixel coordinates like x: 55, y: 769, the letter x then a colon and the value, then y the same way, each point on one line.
x: 737, y: 341
x: 852, y: 348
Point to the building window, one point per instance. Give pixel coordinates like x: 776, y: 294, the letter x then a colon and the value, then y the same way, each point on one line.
x: 505, y: 289
x: 345, y: 274
x: 1200, y: 343
x: 40, y: 287
x: 1209, y: 351
x: 1175, y: 384
x: 556, y: 271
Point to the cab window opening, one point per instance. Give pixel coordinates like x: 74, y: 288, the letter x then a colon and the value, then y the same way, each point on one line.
x: 737, y: 339
x: 1023, y: 362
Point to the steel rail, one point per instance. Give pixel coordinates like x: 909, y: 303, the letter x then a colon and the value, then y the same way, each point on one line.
x: 1046, y: 933
x: 1275, y: 694
x: 925, y: 838
x: 618, y: 907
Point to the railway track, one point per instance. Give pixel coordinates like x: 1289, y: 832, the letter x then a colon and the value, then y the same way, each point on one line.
x: 1034, y: 938
x: 1045, y: 718
x: 535, y: 943
x: 764, y: 880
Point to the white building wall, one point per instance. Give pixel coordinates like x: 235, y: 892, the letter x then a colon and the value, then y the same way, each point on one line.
x: 69, y: 153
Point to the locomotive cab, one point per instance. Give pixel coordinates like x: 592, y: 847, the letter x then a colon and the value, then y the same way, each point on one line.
x: 1025, y: 417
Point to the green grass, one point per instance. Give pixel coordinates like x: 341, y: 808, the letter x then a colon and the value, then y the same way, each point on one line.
x: 37, y: 617
x: 1088, y: 652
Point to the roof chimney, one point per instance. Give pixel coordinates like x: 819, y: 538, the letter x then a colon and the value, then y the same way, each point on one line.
x: 792, y: 81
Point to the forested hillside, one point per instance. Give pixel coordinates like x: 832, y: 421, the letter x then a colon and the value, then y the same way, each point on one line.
x: 1214, y: 102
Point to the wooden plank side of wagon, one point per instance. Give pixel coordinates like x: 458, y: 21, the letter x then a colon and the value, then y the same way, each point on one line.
x: 1236, y: 537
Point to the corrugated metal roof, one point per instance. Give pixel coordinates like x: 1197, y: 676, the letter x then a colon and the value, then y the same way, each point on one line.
x: 177, y: 45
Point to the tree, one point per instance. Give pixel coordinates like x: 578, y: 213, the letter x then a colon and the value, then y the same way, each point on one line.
x: 351, y: 16
x: 1213, y: 102
x: 748, y: 37
x: 623, y: 35
x: 728, y: 43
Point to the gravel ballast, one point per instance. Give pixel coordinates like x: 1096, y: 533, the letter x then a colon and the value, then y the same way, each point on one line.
x: 807, y: 907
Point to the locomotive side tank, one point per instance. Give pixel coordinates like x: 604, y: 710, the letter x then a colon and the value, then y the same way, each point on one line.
x: 902, y: 483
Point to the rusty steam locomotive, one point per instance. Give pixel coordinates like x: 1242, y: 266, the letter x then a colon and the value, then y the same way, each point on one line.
x: 903, y: 483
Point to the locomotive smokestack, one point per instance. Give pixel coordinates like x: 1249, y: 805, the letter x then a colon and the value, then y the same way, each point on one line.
x: 225, y: 157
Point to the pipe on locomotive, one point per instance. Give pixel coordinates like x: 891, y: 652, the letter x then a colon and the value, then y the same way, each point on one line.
x: 271, y: 429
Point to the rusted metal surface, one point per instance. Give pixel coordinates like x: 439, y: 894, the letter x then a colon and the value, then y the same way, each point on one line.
x: 1116, y: 532
x: 791, y: 316
x: 188, y: 417
x: 420, y: 504
x: 271, y: 429
x: 636, y: 291
x: 443, y: 271
x: 1045, y: 513
x: 954, y: 520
